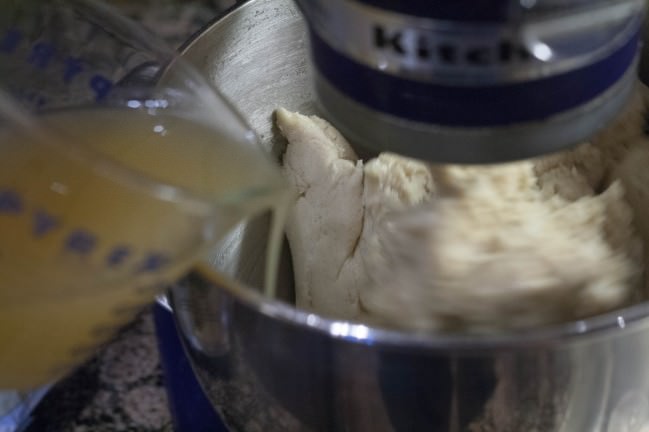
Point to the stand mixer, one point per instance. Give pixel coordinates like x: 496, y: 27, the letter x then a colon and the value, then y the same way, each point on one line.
x: 472, y: 81
x: 268, y: 366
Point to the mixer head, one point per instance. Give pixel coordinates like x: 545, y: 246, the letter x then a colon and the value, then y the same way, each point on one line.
x: 473, y: 81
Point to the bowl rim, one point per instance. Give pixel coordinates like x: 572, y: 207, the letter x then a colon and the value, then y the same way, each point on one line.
x: 604, y: 325
x: 610, y: 324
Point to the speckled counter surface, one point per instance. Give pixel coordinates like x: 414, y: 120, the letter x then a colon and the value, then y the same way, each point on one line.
x: 122, y: 388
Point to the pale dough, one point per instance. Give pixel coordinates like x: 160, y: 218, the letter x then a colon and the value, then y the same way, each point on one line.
x: 405, y: 244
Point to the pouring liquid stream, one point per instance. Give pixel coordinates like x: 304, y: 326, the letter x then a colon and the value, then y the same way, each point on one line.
x: 275, y: 240
x: 83, y: 247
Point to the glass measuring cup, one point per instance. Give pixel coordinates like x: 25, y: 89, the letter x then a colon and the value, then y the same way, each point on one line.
x: 109, y: 187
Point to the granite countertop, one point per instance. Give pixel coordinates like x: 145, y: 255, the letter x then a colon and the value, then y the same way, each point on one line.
x: 122, y: 387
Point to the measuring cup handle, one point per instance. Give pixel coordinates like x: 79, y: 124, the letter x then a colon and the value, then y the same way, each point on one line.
x: 202, y: 312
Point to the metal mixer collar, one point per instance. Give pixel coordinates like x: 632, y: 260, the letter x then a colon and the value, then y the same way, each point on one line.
x: 471, y: 81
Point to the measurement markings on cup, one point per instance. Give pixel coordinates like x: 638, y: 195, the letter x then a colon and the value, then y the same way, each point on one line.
x: 77, y: 241
x: 44, y: 57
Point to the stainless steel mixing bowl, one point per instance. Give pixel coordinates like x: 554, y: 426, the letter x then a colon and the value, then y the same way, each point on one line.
x: 269, y: 367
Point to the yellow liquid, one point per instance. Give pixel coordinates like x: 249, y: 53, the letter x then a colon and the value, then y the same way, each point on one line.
x: 82, y: 246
